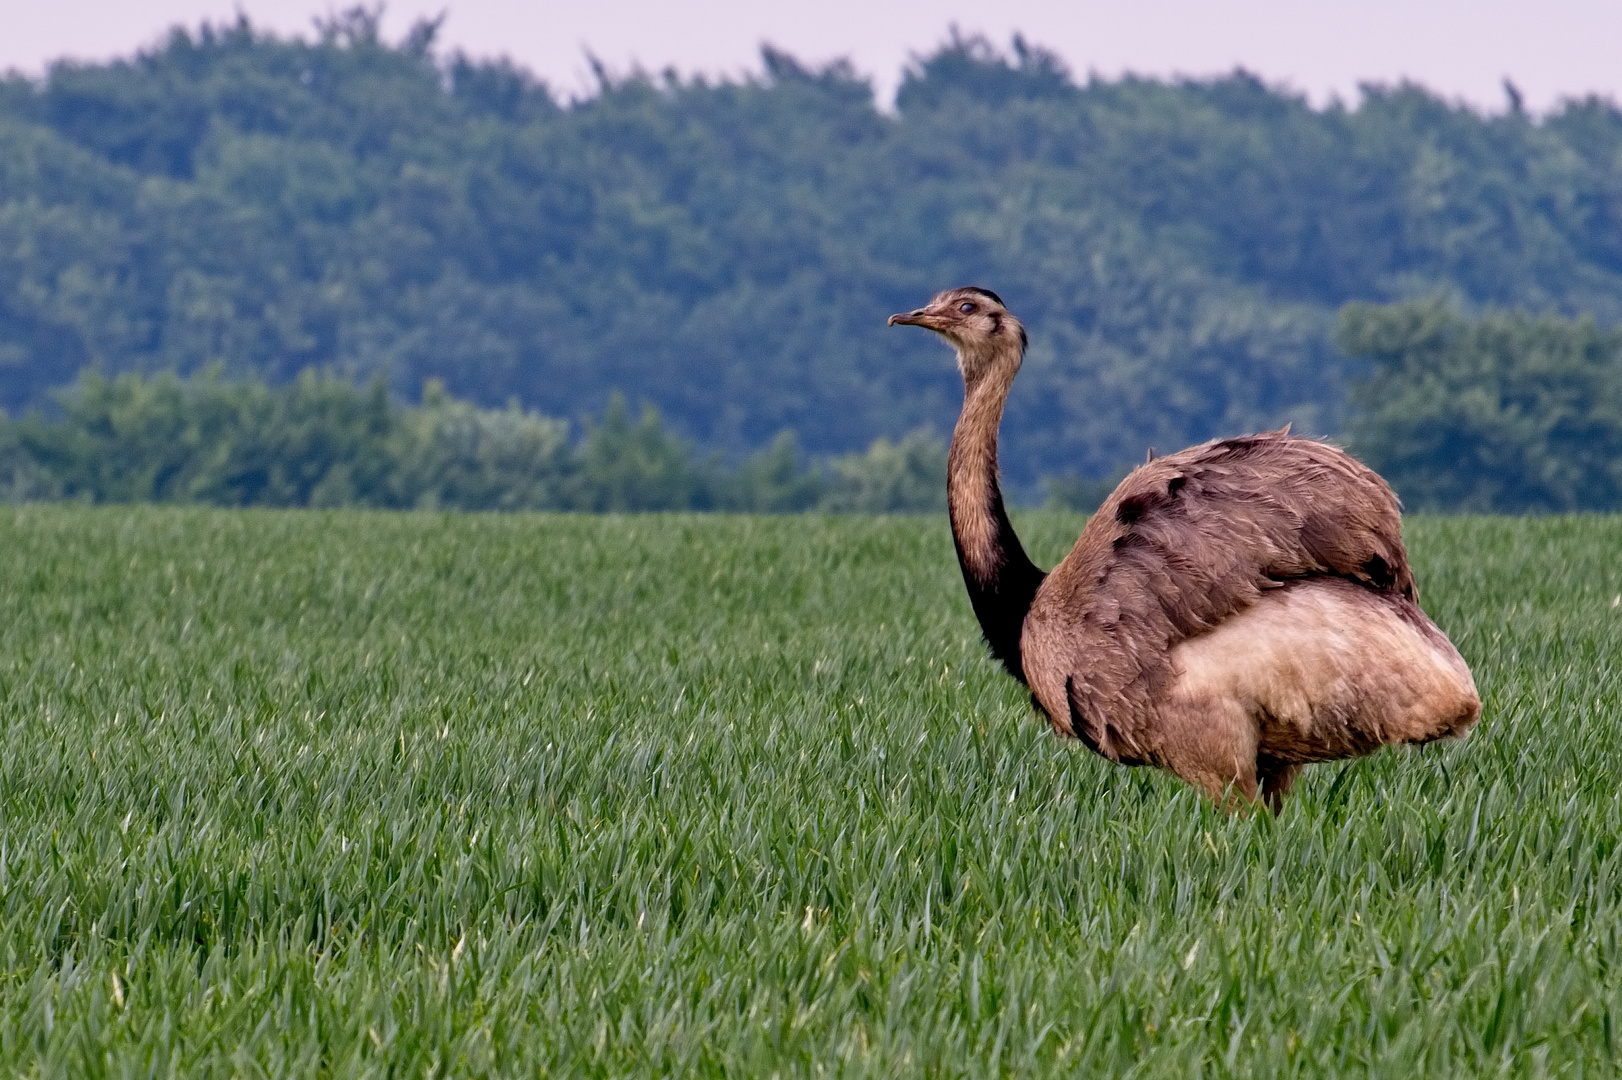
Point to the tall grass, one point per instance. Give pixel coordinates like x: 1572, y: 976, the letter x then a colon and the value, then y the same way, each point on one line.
x: 355, y: 794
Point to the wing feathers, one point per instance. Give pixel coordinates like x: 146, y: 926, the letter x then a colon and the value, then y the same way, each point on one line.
x: 1185, y: 542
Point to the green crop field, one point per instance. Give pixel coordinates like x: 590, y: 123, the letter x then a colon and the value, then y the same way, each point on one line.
x: 350, y: 794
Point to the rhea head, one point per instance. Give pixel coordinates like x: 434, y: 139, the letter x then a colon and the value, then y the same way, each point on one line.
x: 975, y: 321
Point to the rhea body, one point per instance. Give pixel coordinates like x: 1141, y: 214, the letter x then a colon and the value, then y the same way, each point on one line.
x: 1231, y: 613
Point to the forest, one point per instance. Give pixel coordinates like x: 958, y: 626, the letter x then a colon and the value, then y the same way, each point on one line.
x: 233, y: 206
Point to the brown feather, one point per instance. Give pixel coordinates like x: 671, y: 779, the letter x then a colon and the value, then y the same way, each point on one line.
x: 1185, y: 542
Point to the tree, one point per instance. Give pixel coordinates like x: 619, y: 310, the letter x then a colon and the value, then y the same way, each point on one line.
x: 775, y: 480
x: 904, y: 477
x: 451, y: 454
x: 631, y: 466
x: 1505, y: 412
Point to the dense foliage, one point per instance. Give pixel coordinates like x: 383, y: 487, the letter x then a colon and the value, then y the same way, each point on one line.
x: 322, y: 441
x: 729, y: 250
x: 1505, y: 412
x: 362, y: 795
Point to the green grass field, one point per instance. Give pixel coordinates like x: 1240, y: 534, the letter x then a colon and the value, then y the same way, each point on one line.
x: 346, y: 794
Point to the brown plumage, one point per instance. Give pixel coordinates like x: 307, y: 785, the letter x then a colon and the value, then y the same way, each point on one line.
x: 1232, y: 612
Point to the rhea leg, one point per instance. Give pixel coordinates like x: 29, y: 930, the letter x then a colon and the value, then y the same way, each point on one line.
x: 1275, y: 778
x: 1211, y: 743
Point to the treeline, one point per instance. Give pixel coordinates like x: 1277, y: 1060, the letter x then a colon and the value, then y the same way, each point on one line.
x: 323, y: 441
x: 1504, y: 412
x: 728, y: 250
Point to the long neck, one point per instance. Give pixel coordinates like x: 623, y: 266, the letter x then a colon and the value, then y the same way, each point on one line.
x: 1002, y: 580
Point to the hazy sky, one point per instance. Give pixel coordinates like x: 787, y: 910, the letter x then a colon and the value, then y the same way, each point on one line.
x: 1552, y: 49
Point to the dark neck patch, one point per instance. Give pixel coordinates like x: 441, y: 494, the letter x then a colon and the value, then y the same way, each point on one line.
x: 1002, y: 584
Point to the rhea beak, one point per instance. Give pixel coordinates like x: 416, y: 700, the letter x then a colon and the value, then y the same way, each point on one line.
x: 910, y: 318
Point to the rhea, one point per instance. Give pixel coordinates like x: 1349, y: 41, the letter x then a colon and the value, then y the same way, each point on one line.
x: 1231, y: 613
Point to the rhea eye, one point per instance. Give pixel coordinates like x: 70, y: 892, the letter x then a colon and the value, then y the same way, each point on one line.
x: 965, y: 307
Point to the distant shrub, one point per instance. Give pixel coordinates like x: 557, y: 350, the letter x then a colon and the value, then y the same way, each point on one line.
x: 775, y: 480
x: 22, y: 477
x: 1507, y: 412
x: 323, y: 441
x: 319, y: 441
x: 453, y: 455
x: 904, y: 477
x: 635, y: 466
